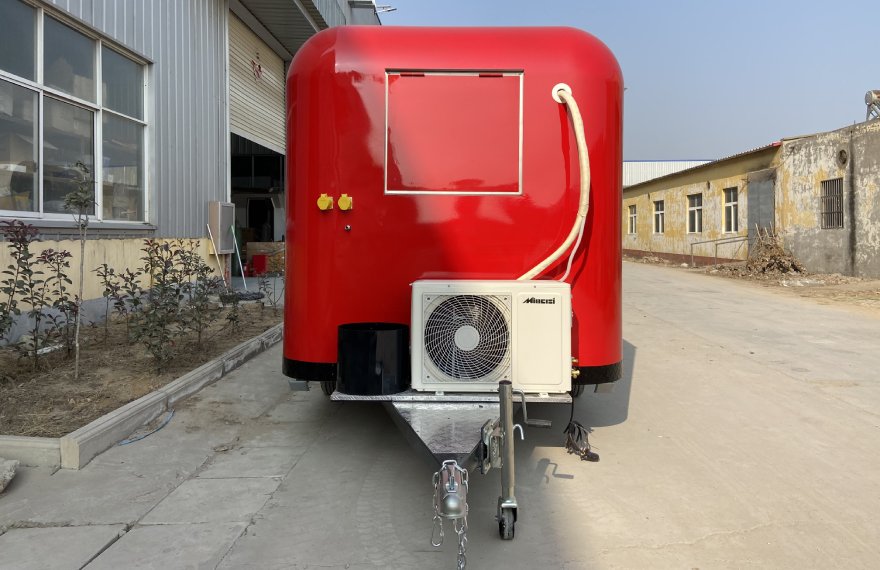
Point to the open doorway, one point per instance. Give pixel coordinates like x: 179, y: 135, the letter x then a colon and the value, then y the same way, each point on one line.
x: 257, y: 175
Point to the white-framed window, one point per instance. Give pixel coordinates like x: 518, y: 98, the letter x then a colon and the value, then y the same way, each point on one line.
x: 659, y: 217
x: 68, y: 97
x: 731, y: 210
x: 632, y: 219
x: 695, y: 213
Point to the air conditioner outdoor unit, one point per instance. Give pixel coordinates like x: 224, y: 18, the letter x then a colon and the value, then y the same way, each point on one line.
x: 469, y: 335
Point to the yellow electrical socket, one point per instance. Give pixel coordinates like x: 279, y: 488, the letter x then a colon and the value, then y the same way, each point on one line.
x: 325, y: 202
x: 345, y: 202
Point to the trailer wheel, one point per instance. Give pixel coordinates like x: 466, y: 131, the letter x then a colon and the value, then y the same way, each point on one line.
x: 506, y: 524
x: 328, y: 386
x: 576, y: 390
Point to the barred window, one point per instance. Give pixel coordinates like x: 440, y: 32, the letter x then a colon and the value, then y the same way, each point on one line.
x: 832, y: 203
x: 632, y: 219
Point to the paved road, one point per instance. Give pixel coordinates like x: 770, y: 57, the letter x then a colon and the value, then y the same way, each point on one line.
x: 744, y: 434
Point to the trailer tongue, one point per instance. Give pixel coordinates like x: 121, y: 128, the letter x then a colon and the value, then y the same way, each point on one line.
x: 463, y: 433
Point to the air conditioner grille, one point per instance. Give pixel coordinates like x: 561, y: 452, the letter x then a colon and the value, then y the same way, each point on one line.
x: 467, y: 337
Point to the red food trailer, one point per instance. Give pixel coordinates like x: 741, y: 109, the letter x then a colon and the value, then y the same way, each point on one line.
x: 453, y: 227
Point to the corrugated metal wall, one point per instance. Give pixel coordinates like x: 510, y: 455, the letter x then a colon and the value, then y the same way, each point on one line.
x: 638, y: 171
x: 330, y: 11
x: 256, y: 105
x: 189, y: 148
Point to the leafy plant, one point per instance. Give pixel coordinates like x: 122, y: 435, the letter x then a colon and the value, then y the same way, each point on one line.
x: 130, y: 300
x: 232, y: 302
x: 111, y: 293
x: 81, y: 203
x: 19, y: 236
x: 199, y: 313
x: 156, y: 327
x: 33, y: 290
x: 268, y: 285
x: 64, y: 321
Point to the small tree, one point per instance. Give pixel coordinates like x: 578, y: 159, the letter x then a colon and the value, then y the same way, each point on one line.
x: 111, y: 292
x: 199, y: 313
x: 130, y: 301
x: 19, y: 236
x: 33, y: 290
x: 269, y: 288
x: 81, y: 203
x: 56, y: 282
x: 156, y: 327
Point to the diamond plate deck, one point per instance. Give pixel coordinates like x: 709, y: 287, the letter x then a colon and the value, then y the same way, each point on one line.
x: 433, y: 397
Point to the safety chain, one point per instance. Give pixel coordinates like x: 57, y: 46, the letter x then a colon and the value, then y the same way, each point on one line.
x: 451, y: 482
x: 461, y: 531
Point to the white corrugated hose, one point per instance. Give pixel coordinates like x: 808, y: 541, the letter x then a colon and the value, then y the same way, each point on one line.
x: 563, y: 94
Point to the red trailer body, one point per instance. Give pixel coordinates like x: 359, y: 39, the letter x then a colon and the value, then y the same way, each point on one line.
x: 459, y: 165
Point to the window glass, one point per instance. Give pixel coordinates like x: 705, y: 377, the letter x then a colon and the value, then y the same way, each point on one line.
x: 659, y: 217
x: 68, y: 138
x: 122, y: 84
x: 123, y: 187
x: 69, y: 60
x: 17, y: 49
x: 18, y: 148
x: 731, y: 210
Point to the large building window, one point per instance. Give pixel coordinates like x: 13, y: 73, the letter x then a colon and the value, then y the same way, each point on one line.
x: 731, y: 210
x: 18, y: 53
x: 632, y: 219
x: 832, y: 203
x: 55, y: 118
x: 659, y: 217
x: 695, y: 213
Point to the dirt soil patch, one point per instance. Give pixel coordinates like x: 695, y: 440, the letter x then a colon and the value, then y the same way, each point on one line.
x: 824, y: 287
x: 772, y: 266
x: 48, y: 403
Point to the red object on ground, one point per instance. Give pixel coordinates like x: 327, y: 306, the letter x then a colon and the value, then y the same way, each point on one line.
x: 260, y: 263
x: 460, y: 166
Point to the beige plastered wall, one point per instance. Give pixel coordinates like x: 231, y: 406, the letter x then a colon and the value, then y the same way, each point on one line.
x: 120, y: 254
x: 710, y: 181
x: 853, y: 155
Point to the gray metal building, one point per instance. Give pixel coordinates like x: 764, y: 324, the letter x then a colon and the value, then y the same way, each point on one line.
x: 173, y: 105
x: 145, y: 93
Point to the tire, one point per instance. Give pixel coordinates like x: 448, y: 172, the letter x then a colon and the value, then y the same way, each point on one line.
x: 328, y: 386
x: 506, y: 524
x: 576, y: 390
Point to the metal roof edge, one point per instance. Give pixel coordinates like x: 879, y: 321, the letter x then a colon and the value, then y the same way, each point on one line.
x: 708, y: 164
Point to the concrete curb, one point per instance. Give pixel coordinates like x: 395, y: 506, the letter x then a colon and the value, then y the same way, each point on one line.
x: 76, y: 449
x: 32, y: 451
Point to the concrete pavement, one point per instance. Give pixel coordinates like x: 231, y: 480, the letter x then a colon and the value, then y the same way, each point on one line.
x: 744, y: 434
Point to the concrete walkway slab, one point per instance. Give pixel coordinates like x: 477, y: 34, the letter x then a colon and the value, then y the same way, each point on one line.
x: 263, y: 434
x: 213, y: 500
x: 238, y: 402
x: 55, y: 548
x: 106, y: 495
x: 252, y: 462
x: 299, y: 408
x: 165, y: 547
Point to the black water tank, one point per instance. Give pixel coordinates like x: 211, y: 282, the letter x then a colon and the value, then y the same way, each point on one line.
x: 373, y: 359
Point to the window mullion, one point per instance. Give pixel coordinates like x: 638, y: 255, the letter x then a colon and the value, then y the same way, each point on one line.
x: 39, y: 139
x: 98, y: 174
x: 38, y: 76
